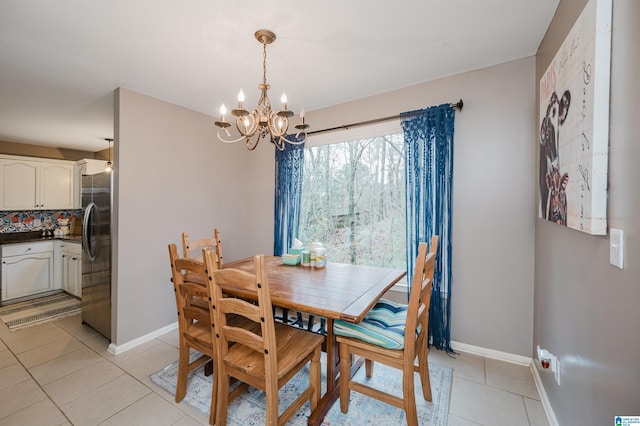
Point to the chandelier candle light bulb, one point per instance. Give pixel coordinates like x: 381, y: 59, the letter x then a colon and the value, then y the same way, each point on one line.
x: 223, y: 123
x: 263, y: 121
x: 240, y: 99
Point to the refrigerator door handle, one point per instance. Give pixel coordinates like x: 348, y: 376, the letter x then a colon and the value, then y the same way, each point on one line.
x: 89, y: 250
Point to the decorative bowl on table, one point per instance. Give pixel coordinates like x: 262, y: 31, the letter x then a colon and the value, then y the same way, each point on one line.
x: 291, y: 259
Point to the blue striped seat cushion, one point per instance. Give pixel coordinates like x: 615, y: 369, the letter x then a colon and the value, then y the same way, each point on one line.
x: 382, y: 326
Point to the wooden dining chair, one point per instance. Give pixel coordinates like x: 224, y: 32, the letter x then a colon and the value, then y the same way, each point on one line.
x: 195, y: 321
x: 266, y: 359
x: 193, y: 248
x: 394, y: 335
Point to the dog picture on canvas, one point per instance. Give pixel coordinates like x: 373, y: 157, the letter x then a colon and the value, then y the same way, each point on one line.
x: 553, y: 183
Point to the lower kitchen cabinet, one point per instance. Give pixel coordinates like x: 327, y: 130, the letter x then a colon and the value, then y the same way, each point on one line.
x: 71, y: 279
x: 27, y: 269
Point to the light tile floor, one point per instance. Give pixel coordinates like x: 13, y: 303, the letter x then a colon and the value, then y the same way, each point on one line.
x: 60, y: 373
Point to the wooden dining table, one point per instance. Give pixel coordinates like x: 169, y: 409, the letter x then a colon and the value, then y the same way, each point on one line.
x: 337, y: 292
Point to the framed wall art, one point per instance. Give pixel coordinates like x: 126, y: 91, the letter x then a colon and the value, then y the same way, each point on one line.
x: 574, y: 125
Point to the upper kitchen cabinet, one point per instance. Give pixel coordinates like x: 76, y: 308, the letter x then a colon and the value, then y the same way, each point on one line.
x: 32, y: 184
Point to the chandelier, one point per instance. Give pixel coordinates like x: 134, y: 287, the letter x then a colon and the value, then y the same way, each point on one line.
x: 263, y: 121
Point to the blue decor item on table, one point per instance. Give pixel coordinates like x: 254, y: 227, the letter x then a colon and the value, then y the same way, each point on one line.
x: 291, y: 259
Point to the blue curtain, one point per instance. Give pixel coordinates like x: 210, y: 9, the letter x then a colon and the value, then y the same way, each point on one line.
x: 288, y: 197
x: 428, y: 140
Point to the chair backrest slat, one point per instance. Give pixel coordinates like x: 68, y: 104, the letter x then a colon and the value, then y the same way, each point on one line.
x: 238, y: 306
x: 192, y: 248
x: 244, y: 337
x: 191, y: 265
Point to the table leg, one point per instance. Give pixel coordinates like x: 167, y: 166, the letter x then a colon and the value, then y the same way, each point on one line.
x: 333, y: 380
x: 333, y: 368
x: 333, y: 357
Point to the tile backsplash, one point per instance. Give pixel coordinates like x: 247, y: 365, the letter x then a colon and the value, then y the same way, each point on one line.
x: 34, y: 220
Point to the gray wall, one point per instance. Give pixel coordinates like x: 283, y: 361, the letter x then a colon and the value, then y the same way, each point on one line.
x: 173, y: 175
x: 586, y: 310
x: 493, y: 205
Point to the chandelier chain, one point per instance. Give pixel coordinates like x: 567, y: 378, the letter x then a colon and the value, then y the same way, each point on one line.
x: 264, y: 63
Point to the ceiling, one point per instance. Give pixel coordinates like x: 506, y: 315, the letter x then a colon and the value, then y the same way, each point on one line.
x: 61, y: 61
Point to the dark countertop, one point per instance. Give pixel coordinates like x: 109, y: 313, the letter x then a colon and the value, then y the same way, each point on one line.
x: 27, y: 237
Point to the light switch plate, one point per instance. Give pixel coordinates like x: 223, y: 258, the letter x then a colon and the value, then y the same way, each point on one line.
x: 616, y: 248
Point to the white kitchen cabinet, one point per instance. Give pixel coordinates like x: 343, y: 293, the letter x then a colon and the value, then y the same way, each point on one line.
x: 30, y: 184
x: 27, y: 269
x: 71, y: 262
x: 87, y: 166
x: 56, y: 186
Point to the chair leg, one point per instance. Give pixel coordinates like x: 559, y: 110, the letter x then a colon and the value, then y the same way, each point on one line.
x: 214, y: 395
x: 299, y: 321
x: 223, y: 397
x: 285, y: 315
x: 425, y: 380
x: 271, y: 392
x: 208, y: 368
x: 409, y: 397
x: 183, y: 371
x: 345, y: 377
x: 314, y: 379
x: 310, y: 322
x: 423, y: 369
x: 368, y: 364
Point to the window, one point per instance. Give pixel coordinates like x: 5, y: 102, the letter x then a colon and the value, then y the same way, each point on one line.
x: 353, y: 200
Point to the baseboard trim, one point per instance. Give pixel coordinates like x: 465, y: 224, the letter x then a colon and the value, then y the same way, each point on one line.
x: 118, y: 349
x: 492, y: 353
x: 514, y: 359
x: 544, y: 399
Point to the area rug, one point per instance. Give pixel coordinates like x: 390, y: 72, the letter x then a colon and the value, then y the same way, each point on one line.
x: 249, y: 407
x: 40, y: 310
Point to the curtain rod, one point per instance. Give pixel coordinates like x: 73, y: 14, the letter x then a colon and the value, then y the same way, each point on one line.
x: 457, y: 105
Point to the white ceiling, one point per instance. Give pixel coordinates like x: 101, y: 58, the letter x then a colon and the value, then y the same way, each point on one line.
x: 60, y: 61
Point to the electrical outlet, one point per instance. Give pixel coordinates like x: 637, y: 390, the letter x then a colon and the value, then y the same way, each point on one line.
x: 549, y: 360
x: 555, y: 367
x: 616, y: 248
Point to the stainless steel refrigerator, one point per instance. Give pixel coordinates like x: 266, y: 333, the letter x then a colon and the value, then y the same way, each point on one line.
x: 96, y: 259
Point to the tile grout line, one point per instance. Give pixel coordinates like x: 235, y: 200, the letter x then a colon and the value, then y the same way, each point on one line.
x: 37, y: 384
x: 152, y: 391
